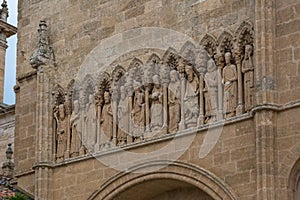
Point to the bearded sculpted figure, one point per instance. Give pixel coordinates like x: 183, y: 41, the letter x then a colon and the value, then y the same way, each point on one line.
x: 76, y: 130
x: 90, y: 124
x: 248, y: 71
x: 123, y: 117
x: 107, y: 120
x: 230, y: 86
x: 156, y: 105
x: 211, y: 91
x: 174, y: 94
x: 61, y: 140
x: 138, y: 112
x: 191, y: 98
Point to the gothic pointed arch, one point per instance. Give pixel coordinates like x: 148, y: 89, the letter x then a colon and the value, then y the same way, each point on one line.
x: 171, y: 58
x: 209, y: 42
x: 172, y: 170
x: 154, y: 58
x: 89, y: 88
x: 294, y: 181
x: 188, y: 51
x: 136, y: 68
x: 225, y: 42
x: 244, y: 35
x: 117, y: 74
x: 59, y: 95
x: 104, y: 82
x: 69, y: 96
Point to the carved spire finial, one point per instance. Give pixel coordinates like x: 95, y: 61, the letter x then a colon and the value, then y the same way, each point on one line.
x: 43, y: 53
x: 8, y: 166
x: 4, y: 11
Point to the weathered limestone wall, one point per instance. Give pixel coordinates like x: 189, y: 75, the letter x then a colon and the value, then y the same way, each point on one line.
x: 288, y: 50
x: 246, y: 150
x: 25, y: 131
x: 77, y: 27
x: 233, y: 160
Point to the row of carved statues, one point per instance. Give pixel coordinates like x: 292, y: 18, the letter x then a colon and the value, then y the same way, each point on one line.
x: 131, y: 107
x: 183, y: 90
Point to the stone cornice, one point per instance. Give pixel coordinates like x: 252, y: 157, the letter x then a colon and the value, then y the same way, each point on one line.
x: 198, y: 130
x: 42, y: 165
x: 19, y: 174
x: 3, y: 44
x: 26, y: 76
x: 8, y: 29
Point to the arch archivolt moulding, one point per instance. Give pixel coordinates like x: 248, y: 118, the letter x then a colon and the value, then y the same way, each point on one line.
x: 186, y: 173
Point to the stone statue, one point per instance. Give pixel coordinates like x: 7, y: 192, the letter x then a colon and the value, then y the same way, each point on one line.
x: 156, y: 105
x: 174, y: 95
x: 106, y: 120
x: 191, y: 98
x: 61, y: 121
x: 230, y: 86
x: 211, y: 91
x: 90, y: 124
x: 76, y: 130
x: 123, y: 117
x: 248, y: 71
x: 138, y: 112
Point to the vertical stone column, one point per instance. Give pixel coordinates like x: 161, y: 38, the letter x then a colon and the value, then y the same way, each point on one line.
x: 147, y: 108
x: 42, y: 60
x: 182, y: 82
x: 68, y: 132
x: 265, y: 120
x: 82, y: 110
x: 129, y: 88
x: 6, y: 30
x: 115, y: 98
x: 220, y: 65
x: 240, y: 106
x: 3, y: 47
x: 201, y: 99
x: 98, y: 115
x: 165, y: 83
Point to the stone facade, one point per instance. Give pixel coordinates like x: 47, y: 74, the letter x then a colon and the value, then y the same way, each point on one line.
x: 7, y: 129
x: 157, y: 99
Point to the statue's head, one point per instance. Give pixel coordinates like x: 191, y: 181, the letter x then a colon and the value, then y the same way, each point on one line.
x: 61, y: 109
x: 123, y: 92
x: 174, y: 76
x: 189, y: 72
x: 106, y: 97
x: 156, y: 80
x: 76, y: 106
x: 211, y: 65
x: 228, y: 57
x: 248, y: 51
x: 91, y: 98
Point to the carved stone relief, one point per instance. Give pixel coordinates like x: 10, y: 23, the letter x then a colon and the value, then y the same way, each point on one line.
x: 166, y: 95
x: 248, y: 72
x: 174, y: 96
x: 230, y: 86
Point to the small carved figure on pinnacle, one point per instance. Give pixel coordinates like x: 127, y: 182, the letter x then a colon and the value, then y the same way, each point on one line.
x: 43, y: 54
x: 4, y: 11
